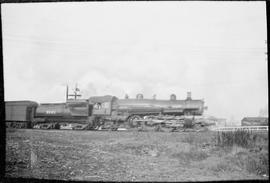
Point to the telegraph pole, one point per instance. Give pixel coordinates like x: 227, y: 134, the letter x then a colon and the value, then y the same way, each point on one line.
x: 76, y: 93
x: 67, y: 94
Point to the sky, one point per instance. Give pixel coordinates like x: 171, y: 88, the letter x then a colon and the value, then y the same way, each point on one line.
x: 216, y: 50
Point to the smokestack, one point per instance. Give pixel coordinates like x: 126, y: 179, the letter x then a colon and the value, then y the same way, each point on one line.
x: 188, y: 95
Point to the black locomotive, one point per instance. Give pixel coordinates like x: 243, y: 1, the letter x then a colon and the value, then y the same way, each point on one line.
x: 99, y: 112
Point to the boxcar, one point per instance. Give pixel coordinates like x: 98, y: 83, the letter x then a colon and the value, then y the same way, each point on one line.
x: 254, y: 121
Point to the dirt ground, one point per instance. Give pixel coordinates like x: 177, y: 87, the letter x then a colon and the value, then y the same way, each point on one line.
x: 126, y: 156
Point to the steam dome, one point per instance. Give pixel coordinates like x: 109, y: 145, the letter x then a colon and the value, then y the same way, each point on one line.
x: 173, y: 97
x: 139, y: 96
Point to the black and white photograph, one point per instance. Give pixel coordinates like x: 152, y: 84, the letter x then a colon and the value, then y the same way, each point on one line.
x: 160, y: 91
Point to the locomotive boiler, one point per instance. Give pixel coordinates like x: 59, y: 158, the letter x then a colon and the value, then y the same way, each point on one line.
x: 135, y: 111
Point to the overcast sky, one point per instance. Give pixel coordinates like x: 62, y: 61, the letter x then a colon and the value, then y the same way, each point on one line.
x: 216, y: 50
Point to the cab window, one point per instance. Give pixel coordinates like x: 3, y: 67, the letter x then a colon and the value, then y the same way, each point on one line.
x: 97, y: 106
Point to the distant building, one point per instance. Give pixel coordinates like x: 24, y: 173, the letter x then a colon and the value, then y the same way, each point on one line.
x: 219, y: 122
x: 254, y: 121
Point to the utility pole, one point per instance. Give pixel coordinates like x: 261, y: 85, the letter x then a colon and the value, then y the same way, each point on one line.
x: 67, y: 94
x: 76, y: 93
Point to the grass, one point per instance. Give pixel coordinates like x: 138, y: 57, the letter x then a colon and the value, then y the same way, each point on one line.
x: 258, y: 165
x: 193, y: 154
x: 133, y: 156
x: 241, y: 138
x: 250, y: 150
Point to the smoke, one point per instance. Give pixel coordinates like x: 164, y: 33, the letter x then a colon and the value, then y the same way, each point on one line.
x: 89, y: 91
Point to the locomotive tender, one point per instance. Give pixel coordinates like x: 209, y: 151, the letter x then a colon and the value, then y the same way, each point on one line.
x: 97, y: 112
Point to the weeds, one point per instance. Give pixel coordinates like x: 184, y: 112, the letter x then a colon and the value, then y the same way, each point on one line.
x: 11, y: 130
x: 258, y: 164
x: 240, y: 138
x: 145, y: 156
x: 190, y: 138
x: 222, y: 167
x: 249, y: 148
x: 194, y: 154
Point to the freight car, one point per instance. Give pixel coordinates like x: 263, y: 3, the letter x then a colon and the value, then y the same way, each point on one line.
x: 254, y: 121
x: 109, y: 112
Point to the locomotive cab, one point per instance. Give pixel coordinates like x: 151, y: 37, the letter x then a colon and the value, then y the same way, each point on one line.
x: 102, y: 106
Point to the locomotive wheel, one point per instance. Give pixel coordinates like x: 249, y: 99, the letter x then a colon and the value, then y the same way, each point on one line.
x: 56, y: 126
x: 132, y: 121
x: 149, y: 119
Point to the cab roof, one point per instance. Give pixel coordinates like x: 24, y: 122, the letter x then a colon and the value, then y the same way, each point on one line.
x: 101, y: 99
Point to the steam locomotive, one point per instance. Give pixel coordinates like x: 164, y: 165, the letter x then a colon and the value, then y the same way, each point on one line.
x: 99, y: 112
